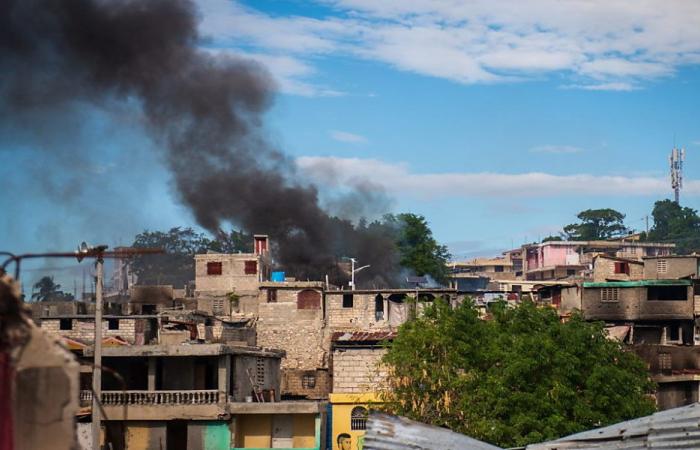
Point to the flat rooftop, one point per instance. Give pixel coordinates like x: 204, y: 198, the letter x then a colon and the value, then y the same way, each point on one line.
x: 186, y: 350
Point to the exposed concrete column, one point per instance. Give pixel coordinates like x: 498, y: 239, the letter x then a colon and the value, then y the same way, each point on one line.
x: 151, y: 374
x: 223, y: 377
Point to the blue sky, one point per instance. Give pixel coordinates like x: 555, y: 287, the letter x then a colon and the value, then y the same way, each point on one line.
x: 498, y: 121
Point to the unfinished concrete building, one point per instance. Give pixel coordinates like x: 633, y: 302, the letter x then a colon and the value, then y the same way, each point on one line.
x: 201, y: 396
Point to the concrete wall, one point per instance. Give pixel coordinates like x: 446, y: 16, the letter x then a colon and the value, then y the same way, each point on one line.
x: 265, y: 372
x: 45, y: 397
x: 208, y: 435
x: 84, y: 329
x: 233, y: 277
x: 633, y: 305
x: 675, y: 268
x: 145, y: 435
x: 673, y: 395
x: 296, y: 382
x: 361, y: 316
x: 604, y: 270
x: 357, y: 370
x: 277, y: 431
x: 301, y: 333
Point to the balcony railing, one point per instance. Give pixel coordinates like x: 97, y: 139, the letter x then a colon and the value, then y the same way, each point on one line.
x: 119, y: 398
x: 85, y: 398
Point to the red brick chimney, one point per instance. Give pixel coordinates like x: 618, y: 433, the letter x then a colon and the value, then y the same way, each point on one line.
x: 260, y: 244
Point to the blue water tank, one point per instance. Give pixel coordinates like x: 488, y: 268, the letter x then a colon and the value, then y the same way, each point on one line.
x: 277, y: 277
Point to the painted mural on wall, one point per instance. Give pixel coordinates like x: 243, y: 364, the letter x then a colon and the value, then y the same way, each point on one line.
x: 344, y: 441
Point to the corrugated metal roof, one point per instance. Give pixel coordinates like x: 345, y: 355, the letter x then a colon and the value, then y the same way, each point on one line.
x: 363, y: 336
x: 640, y: 283
x: 386, y: 432
x: 676, y: 428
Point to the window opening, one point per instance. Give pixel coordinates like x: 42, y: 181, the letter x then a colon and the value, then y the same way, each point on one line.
x: 308, y: 381
x: 214, y: 268
x: 677, y: 293
x: 379, y: 307
x: 347, y: 300
x: 358, y: 418
x: 622, y: 267
x: 272, y: 296
x: 260, y: 371
x: 610, y: 295
x: 251, y: 267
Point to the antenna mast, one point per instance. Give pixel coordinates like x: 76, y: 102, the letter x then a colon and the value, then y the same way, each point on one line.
x: 676, y: 163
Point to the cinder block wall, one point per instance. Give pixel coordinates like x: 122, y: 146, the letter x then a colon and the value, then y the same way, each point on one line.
x: 84, y: 329
x: 358, y: 370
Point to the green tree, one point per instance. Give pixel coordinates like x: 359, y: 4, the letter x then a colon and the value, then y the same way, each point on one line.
x: 597, y: 224
x: 48, y: 290
x: 418, y: 249
x: 519, y: 378
x: 552, y: 238
x: 176, y: 266
x: 675, y: 223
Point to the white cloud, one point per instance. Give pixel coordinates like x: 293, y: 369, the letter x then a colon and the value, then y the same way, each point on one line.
x: 344, y: 136
x: 556, y: 149
x: 397, y: 179
x: 601, y: 44
x: 615, y: 86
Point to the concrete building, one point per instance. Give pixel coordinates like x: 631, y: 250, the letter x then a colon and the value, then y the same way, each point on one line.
x: 358, y: 379
x: 201, y: 396
x: 567, y: 259
x: 612, y: 268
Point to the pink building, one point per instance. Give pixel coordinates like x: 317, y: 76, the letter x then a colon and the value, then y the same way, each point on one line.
x: 565, y: 259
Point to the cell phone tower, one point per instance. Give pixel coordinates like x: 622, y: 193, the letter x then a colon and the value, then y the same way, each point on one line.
x: 676, y: 162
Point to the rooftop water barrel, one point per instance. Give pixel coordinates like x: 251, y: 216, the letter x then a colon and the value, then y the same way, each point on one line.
x: 277, y: 277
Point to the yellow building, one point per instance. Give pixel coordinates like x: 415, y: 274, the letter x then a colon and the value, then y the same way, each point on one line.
x: 358, y: 377
x: 349, y: 419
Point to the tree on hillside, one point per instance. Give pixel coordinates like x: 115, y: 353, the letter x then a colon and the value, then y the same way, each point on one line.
x: 176, y: 266
x: 519, y: 378
x: 675, y: 223
x: 597, y: 224
x: 418, y: 249
x: 48, y: 290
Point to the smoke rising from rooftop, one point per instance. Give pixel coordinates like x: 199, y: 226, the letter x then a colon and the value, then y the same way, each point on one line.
x: 205, y: 110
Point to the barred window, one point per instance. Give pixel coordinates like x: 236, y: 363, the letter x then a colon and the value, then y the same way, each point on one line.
x: 358, y: 418
x: 308, y: 381
x: 661, y: 266
x: 610, y: 295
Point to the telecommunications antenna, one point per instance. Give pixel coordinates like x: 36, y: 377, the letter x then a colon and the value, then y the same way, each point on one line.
x: 676, y: 164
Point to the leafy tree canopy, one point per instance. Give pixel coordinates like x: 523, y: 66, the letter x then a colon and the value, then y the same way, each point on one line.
x: 176, y: 267
x: 418, y: 249
x: 47, y: 290
x: 675, y: 223
x: 597, y: 224
x: 520, y: 378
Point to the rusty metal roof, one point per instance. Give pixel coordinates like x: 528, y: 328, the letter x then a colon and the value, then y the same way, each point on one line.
x: 676, y: 428
x: 363, y: 336
x: 386, y: 432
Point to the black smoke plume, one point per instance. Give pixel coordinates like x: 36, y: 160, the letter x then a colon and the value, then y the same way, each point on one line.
x: 206, y: 110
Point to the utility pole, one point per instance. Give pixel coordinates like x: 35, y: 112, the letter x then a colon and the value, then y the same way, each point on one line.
x: 352, y: 273
x: 646, y: 218
x: 97, y: 364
